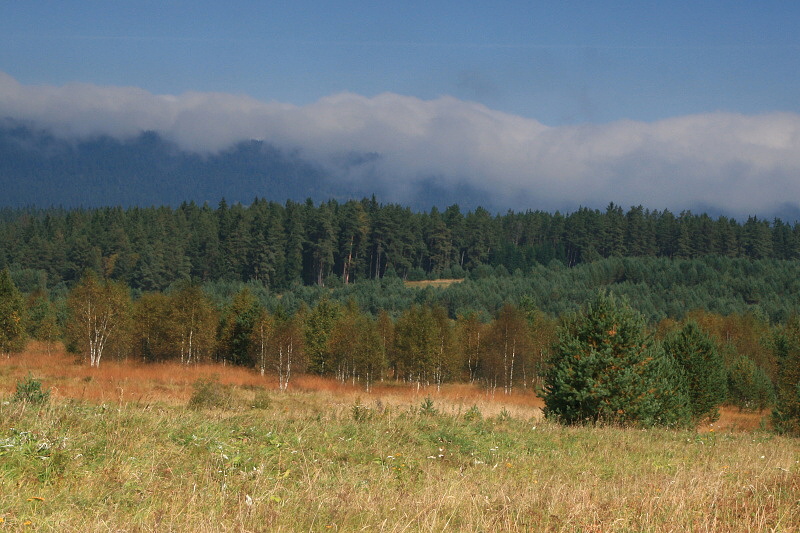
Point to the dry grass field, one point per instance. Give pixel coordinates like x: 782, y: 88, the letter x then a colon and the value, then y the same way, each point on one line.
x: 119, y: 449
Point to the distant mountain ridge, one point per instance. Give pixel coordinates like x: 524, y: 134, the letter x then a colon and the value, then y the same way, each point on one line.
x: 37, y: 168
x: 40, y: 169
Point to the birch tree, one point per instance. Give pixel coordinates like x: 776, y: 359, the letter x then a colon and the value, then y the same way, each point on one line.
x: 99, y: 314
x: 276, y: 343
x: 193, y: 323
x: 507, y: 344
x: 357, y: 347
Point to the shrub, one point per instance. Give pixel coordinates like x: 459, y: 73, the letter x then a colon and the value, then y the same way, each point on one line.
x: 426, y: 408
x: 504, y: 415
x: 262, y: 400
x: 210, y: 394
x: 30, y: 391
x: 360, y: 412
x: 473, y: 413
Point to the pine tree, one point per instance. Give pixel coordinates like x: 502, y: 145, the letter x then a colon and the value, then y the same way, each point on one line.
x: 786, y: 415
x: 606, y: 369
x: 317, y: 326
x: 237, y: 328
x: 42, y: 320
x: 750, y: 388
x: 12, y: 316
x: 703, y: 369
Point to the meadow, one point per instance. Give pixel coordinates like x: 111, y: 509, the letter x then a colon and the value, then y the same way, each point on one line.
x: 128, y: 447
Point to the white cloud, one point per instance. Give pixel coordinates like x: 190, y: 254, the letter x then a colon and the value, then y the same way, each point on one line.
x: 742, y: 164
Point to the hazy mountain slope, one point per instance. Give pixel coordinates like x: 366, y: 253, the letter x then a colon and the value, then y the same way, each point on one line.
x: 37, y: 168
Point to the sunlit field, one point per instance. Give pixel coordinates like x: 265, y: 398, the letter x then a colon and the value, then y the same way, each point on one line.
x: 119, y: 449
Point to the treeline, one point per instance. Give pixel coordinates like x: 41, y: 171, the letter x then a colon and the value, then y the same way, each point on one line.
x: 510, y: 350
x: 659, y: 288
x: 333, y: 244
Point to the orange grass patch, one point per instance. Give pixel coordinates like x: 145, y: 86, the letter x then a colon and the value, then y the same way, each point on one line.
x: 118, y: 381
x: 69, y: 377
x: 733, y: 419
x: 432, y: 283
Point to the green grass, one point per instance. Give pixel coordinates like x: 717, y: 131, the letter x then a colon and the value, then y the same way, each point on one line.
x: 306, y: 462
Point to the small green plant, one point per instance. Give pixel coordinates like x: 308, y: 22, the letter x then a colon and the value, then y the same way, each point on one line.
x: 426, y: 408
x: 504, y: 415
x: 360, y: 411
x: 262, y: 400
x: 210, y: 394
x: 30, y: 391
x: 472, y: 414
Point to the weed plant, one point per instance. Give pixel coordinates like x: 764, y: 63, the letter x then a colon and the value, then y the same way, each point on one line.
x: 30, y: 390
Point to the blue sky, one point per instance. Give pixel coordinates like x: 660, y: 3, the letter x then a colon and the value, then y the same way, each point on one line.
x: 562, y: 65
x: 557, y: 62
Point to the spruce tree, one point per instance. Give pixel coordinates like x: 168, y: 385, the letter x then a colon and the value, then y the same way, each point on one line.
x: 605, y: 368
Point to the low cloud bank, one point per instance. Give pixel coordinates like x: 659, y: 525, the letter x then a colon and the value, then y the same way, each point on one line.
x: 737, y: 163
